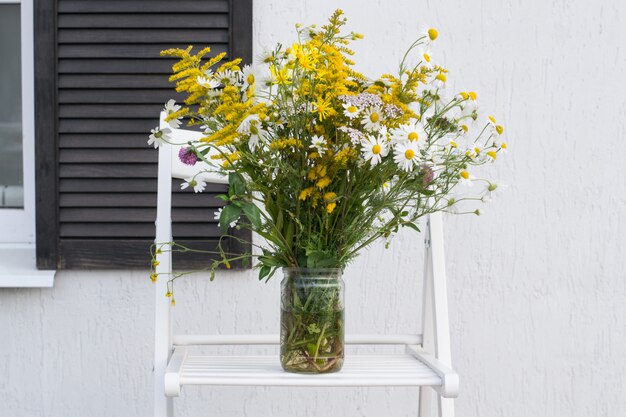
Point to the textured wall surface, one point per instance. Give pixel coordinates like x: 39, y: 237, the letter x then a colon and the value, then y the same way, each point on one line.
x: 537, y: 285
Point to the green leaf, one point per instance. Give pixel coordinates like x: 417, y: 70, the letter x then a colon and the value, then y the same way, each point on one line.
x: 412, y: 226
x: 269, y: 261
x: 229, y: 214
x: 264, y: 271
x: 427, y: 192
x: 222, y: 197
x: 311, y: 348
x: 253, y: 214
x: 236, y: 184
x: 319, y: 259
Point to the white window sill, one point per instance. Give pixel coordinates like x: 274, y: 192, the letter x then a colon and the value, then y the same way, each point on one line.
x: 18, y: 268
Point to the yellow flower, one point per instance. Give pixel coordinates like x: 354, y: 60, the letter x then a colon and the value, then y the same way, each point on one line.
x: 492, y: 154
x: 330, y: 207
x: 465, y: 175
x: 323, y: 183
x: 153, y: 277
x: 306, y: 193
x: 323, y: 108
x: 329, y: 196
x: 499, y: 129
x: 433, y: 33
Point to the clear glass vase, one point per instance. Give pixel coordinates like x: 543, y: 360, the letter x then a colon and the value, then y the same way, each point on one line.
x: 312, y: 318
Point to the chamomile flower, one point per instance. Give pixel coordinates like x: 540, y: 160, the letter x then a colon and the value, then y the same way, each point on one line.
x: 159, y: 136
x: 374, y: 148
x: 227, y: 77
x: 429, y: 33
x: 440, y: 80
x: 351, y: 111
x: 319, y: 143
x: 247, y: 123
x: 410, y: 132
x: 248, y: 76
x: 197, y: 184
x: 466, y: 178
x: 425, y: 57
x: 492, y: 190
x: 371, y: 120
x: 257, y: 134
x: 406, y: 155
x: 172, y: 107
x: 208, y: 82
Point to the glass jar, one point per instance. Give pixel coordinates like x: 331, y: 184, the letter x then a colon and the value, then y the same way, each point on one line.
x: 312, y: 317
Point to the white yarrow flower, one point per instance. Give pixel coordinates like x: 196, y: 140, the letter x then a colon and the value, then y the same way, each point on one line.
x: 159, y: 136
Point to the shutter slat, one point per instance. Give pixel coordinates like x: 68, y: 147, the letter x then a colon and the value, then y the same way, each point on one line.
x: 150, y: 36
x: 124, y: 51
x: 114, y: 81
x: 132, y: 215
x: 105, y: 140
x: 118, y: 185
x: 126, y: 6
x: 136, y: 200
x: 143, y: 20
x: 138, y: 230
x: 113, y: 111
x: 110, y: 126
x: 154, y: 65
x: 98, y: 156
x: 89, y: 96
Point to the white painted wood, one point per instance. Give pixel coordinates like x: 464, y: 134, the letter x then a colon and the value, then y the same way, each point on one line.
x: 358, y: 371
x: 18, y: 268
x: 162, y: 306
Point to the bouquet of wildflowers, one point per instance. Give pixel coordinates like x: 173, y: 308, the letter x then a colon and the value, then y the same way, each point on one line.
x: 322, y: 160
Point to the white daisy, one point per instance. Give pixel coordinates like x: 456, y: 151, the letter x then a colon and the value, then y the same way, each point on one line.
x: 257, y: 135
x: 226, y: 77
x: 410, y: 132
x: 158, y: 137
x: 248, y: 76
x: 208, y: 82
x: 371, y: 119
x: 439, y: 81
x: 319, y: 143
x: 247, y: 123
x: 266, y: 55
x: 406, y: 155
x: 374, y: 148
x: 172, y: 107
x: 351, y: 111
x: 197, y: 184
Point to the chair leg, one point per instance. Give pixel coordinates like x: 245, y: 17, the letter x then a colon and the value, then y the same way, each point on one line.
x: 446, y: 407
x: 426, y: 402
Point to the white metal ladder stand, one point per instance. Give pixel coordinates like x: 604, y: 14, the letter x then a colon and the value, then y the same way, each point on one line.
x: 426, y: 363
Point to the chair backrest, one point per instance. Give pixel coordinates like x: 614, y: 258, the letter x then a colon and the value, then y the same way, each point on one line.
x: 179, y: 138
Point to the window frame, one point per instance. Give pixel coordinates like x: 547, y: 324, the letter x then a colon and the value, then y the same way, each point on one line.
x: 18, y: 224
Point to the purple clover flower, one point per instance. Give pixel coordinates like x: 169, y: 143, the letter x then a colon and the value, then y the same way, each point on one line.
x: 188, y: 156
x: 428, y: 175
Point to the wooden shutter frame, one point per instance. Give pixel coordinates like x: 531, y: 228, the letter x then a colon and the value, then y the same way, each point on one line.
x: 47, y: 134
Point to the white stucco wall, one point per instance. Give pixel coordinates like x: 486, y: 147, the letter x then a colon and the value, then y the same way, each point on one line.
x: 537, y: 285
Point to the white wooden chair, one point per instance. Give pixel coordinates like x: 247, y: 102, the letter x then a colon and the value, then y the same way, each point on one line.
x: 425, y: 363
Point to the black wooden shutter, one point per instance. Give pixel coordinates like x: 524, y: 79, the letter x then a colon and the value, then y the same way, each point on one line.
x: 99, y: 68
